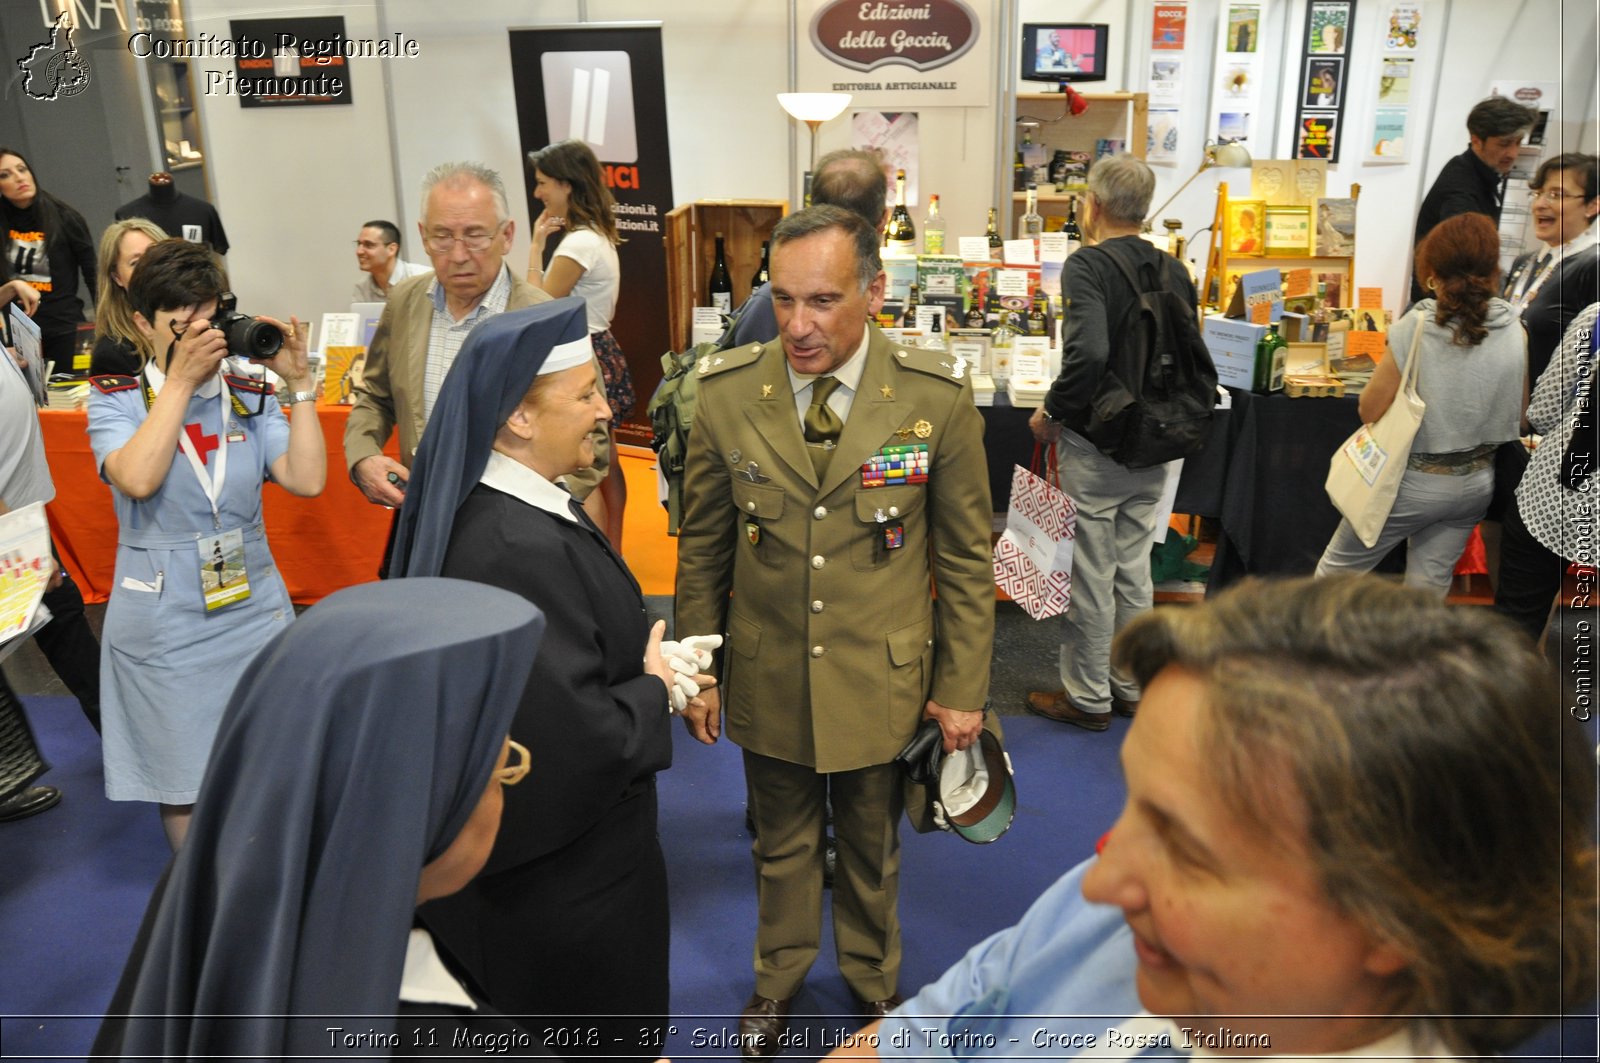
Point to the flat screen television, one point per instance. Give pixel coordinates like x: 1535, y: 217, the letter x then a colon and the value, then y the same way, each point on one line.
x: 1073, y: 51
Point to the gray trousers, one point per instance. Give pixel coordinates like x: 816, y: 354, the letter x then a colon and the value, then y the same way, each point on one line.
x: 1434, y: 513
x: 1110, y: 568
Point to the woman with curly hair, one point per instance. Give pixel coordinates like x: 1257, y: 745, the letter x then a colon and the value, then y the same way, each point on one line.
x: 1474, y: 381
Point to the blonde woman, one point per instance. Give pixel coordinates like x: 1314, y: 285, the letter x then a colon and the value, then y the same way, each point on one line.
x: 116, y: 337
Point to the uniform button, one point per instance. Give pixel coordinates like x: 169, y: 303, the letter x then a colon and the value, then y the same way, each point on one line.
x: 816, y: 651
x: 820, y: 512
x: 751, y: 506
x: 816, y: 607
x: 277, y: 614
x: 818, y: 561
x: 930, y: 642
x: 894, y: 511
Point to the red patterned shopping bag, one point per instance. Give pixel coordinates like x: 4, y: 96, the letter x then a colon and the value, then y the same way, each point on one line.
x: 1033, y: 558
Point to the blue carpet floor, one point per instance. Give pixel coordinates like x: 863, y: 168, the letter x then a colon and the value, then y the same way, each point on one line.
x: 74, y: 882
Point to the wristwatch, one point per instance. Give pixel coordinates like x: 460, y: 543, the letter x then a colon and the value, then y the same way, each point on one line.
x: 301, y: 396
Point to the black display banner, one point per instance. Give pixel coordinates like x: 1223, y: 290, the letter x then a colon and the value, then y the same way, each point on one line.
x: 286, y: 62
x: 606, y: 86
x: 1324, y: 76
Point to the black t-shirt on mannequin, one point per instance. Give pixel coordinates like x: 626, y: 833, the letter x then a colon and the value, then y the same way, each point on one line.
x: 179, y: 214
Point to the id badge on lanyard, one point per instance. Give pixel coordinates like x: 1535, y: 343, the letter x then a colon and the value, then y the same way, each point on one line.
x: 223, y: 577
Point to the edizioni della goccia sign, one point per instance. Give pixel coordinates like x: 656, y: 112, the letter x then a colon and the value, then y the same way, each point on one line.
x: 866, y: 34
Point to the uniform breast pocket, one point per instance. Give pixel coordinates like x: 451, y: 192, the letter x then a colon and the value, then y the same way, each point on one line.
x: 885, y: 513
x: 760, y: 507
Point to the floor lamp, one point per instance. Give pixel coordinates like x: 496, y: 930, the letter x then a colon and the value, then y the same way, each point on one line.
x: 813, y: 108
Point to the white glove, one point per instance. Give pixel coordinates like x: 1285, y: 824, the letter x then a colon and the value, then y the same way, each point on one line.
x: 696, y: 650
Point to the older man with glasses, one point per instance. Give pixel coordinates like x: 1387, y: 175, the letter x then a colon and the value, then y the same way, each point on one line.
x: 467, y: 229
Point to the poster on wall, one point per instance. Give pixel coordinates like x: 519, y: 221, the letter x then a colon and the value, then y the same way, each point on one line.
x: 1244, y: 27
x: 893, y: 55
x: 1317, y: 136
x: 290, y: 62
x: 1161, y: 143
x: 1398, y: 38
x: 1237, y: 85
x: 1388, y: 136
x: 894, y: 137
x: 1166, y: 81
x: 1320, y: 111
x: 606, y: 86
x: 1167, y: 27
x: 1401, y: 26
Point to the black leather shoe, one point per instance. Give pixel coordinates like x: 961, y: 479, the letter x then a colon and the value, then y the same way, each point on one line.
x: 29, y: 802
x: 1053, y: 705
x: 873, y: 1010
x: 1124, y: 708
x: 761, y: 1023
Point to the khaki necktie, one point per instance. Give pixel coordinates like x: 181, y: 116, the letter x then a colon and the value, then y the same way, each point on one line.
x: 822, y: 425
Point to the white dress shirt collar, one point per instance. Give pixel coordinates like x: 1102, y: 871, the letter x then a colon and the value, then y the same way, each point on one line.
x: 848, y: 374
x: 504, y: 473
x: 426, y: 980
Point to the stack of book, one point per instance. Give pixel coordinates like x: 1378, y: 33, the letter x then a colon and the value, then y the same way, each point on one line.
x: 67, y: 394
x: 983, y: 389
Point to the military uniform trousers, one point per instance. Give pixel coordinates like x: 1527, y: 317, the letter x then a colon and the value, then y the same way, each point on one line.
x: 787, y: 803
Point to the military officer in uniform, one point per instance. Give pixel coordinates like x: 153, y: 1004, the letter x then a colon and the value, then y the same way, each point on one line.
x: 833, y: 479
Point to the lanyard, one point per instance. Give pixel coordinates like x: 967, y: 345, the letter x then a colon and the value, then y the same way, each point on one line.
x: 1536, y: 281
x: 219, y: 470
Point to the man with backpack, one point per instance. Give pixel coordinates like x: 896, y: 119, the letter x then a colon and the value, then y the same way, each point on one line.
x: 1136, y: 390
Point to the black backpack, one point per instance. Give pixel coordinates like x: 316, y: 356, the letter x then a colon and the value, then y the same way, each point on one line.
x: 1154, y: 403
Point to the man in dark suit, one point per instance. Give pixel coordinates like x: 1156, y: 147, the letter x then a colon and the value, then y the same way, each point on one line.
x: 467, y: 229
x: 832, y: 479
x: 1474, y: 181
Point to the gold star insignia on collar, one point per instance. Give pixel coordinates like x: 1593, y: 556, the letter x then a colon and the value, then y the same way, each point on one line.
x: 888, y: 392
x: 766, y: 391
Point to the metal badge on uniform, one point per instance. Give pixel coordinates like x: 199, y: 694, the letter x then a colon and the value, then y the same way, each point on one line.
x: 752, y: 532
x: 752, y: 473
x: 223, y: 579
x: 907, y: 464
x: 235, y: 432
x: 894, y: 536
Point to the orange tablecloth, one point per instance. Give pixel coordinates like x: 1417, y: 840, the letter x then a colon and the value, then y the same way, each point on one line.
x: 320, y: 544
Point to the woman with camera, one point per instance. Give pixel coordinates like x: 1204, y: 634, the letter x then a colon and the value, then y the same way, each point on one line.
x: 185, y: 446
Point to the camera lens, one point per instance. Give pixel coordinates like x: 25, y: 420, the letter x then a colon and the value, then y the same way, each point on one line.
x: 250, y: 338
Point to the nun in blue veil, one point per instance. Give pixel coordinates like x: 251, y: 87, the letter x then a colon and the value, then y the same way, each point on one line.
x: 577, y: 874
x: 358, y: 771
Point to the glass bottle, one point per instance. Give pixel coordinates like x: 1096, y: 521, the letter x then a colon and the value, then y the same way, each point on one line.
x: 721, y: 285
x: 1031, y: 226
x: 902, y: 232
x: 933, y: 229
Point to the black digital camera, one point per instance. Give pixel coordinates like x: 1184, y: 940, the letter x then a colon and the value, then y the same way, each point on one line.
x: 247, y: 337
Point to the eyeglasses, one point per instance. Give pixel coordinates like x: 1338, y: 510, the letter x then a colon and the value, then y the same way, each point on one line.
x: 372, y: 245
x: 444, y: 243
x: 512, y: 774
x: 1556, y: 195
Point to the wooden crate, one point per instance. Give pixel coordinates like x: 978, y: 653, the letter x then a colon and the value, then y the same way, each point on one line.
x: 691, y: 243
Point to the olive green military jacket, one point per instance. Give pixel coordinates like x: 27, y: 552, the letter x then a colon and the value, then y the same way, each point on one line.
x: 826, y: 592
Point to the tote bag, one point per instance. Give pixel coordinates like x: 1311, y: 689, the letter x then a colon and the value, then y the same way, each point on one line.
x: 1364, y: 475
x: 1033, y: 558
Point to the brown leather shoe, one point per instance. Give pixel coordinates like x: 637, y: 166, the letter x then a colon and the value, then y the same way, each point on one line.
x: 873, y: 1010
x: 1124, y: 708
x: 1053, y: 705
x: 761, y: 1023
